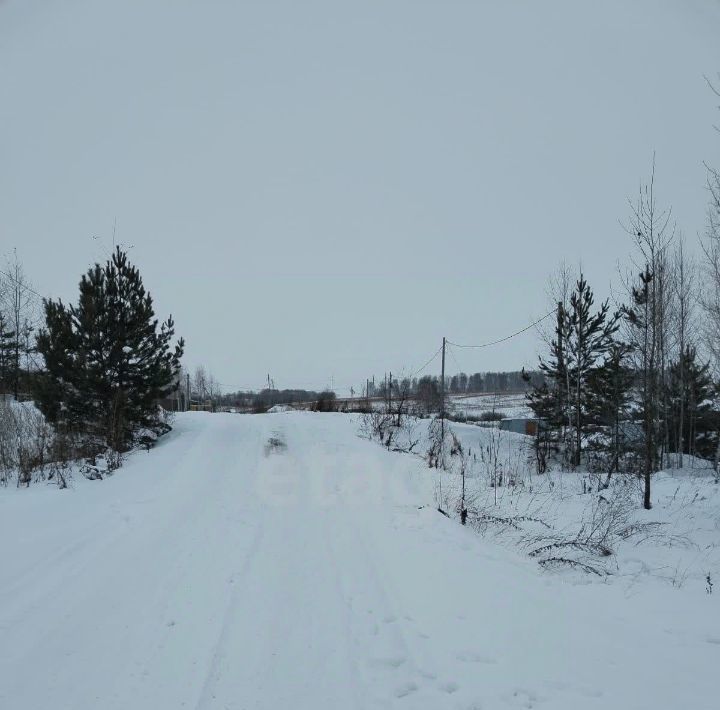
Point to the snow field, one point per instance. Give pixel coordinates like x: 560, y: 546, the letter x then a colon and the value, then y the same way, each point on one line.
x: 215, y: 572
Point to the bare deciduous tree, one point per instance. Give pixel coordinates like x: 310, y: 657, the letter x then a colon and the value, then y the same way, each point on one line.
x: 200, y: 383
x: 684, y: 300
x: 19, y: 305
x: 647, y: 321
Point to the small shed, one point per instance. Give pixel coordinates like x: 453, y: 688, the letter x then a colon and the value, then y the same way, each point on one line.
x: 520, y: 425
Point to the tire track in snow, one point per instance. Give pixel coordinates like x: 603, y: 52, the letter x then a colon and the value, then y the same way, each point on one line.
x: 394, y: 670
x: 360, y: 692
x: 213, y: 673
x: 286, y: 638
x: 96, y: 538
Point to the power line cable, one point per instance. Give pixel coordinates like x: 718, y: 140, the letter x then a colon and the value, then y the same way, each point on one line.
x: 507, y: 337
x: 21, y: 284
x: 417, y: 372
x: 452, y: 355
x: 295, y: 386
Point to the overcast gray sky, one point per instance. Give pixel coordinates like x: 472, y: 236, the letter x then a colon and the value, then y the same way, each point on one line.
x: 320, y: 189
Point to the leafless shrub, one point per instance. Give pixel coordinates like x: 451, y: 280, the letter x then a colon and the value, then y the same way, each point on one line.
x: 102, y: 464
x: 605, y: 522
x: 480, y: 518
x: 113, y: 460
x: 91, y: 471
x: 378, y: 424
x: 439, y: 438
x: 59, y: 473
x: 462, y: 459
x: 566, y: 562
x: 593, y: 549
x: 609, y: 514
x: 409, y: 437
x: 62, y: 452
x: 491, y: 461
x: 392, y: 426
x: 25, y: 441
x: 635, y: 529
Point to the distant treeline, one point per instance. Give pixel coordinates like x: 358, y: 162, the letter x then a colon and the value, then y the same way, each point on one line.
x: 462, y: 383
x: 263, y: 400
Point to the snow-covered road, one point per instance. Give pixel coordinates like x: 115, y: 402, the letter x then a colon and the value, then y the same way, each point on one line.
x: 219, y: 573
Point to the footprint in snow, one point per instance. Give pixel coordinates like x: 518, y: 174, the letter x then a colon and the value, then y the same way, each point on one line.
x: 406, y: 689
x: 392, y: 663
x: 526, y: 698
x: 472, y: 657
x: 450, y: 687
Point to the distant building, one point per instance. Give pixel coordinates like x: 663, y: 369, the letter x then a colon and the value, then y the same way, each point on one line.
x: 197, y: 405
x: 520, y: 425
x: 174, y: 403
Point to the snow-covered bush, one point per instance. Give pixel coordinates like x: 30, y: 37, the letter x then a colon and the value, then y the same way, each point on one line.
x: 26, y: 442
x: 30, y: 450
x: 394, y: 429
x: 574, y: 520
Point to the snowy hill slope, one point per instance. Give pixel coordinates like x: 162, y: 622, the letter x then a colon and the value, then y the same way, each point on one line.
x: 223, y: 570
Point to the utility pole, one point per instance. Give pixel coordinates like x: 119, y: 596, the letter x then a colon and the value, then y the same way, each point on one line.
x: 390, y: 393
x: 442, y: 394
x: 187, y: 383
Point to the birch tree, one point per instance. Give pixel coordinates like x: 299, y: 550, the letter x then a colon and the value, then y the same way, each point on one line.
x: 684, y: 299
x: 19, y: 305
x: 646, y: 321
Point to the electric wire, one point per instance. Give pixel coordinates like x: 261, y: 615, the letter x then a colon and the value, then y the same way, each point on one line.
x: 417, y: 372
x: 21, y: 284
x: 452, y: 355
x: 507, y: 337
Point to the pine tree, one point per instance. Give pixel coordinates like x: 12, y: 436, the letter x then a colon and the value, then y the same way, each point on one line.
x: 581, y: 339
x: 8, y: 363
x: 611, y: 397
x: 642, y: 335
x: 689, y: 382
x: 107, y: 359
x: 589, y: 339
x: 548, y: 400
